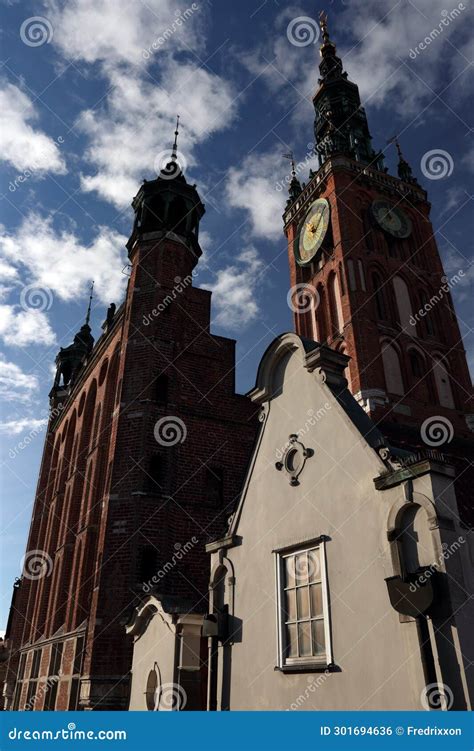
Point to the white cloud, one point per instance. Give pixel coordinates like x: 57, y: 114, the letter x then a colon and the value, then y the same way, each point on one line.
x: 260, y: 186
x: 138, y: 121
x: 234, y: 290
x: 19, y: 328
x: 15, y: 384
x: 116, y: 32
x: 59, y: 263
x: 23, y: 146
x: 385, y: 33
x: 15, y: 426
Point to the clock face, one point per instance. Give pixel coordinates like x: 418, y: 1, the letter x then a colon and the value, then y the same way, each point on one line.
x: 391, y: 218
x: 312, y: 232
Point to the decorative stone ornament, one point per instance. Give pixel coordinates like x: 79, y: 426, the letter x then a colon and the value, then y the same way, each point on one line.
x: 294, y: 459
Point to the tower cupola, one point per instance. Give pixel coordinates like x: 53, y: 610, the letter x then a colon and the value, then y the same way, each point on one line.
x: 168, y: 205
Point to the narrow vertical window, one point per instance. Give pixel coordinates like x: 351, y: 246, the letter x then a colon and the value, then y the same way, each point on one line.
x: 303, y: 608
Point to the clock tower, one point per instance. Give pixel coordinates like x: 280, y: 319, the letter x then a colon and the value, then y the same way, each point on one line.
x: 367, y: 278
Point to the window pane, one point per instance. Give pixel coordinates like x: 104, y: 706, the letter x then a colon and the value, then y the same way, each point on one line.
x: 314, y: 565
x: 303, y: 602
x: 301, y: 569
x: 291, y: 646
x: 316, y: 597
x: 319, y: 643
x: 290, y: 571
x: 304, y: 639
x: 290, y: 608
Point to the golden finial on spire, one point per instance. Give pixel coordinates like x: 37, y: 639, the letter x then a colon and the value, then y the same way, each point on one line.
x: 323, y: 25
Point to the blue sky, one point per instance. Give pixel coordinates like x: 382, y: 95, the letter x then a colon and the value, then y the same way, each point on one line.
x: 89, y: 91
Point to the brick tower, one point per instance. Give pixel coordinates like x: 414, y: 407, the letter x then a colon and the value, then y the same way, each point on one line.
x: 367, y: 278
x: 145, y: 453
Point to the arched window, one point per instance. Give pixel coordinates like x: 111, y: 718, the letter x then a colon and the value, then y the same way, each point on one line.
x: 321, y: 327
x: 341, y: 280
x: 379, y: 295
x: 392, y: 369
x: 367, y: 227
x: 335, y: 308
x: 443, y: 385
x: 428, y: 318
x: 417, y: 364
x: 402, y: 297
x: 177, y: 215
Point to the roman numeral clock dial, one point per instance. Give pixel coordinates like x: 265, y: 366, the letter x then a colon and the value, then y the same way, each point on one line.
x: 391, y: 219
x: 312, y: 232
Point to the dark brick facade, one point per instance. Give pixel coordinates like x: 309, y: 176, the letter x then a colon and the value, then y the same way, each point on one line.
x: 114, y: 505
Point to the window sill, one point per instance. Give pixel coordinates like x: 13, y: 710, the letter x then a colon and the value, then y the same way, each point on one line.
x: 308, y: 667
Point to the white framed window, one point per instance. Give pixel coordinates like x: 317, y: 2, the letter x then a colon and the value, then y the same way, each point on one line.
x: 303, y: 622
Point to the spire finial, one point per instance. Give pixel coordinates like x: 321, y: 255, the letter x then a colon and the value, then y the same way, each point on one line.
x: 323, y: 25
x: 88, y: 314
x: 290, y: 156
x: 174, y: 153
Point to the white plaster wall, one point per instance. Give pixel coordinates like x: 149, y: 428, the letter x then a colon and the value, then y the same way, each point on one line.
x: 377, y: 655
x: 156, y: 645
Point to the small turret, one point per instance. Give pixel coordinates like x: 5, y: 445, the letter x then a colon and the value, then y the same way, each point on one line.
x: 70, y: 360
